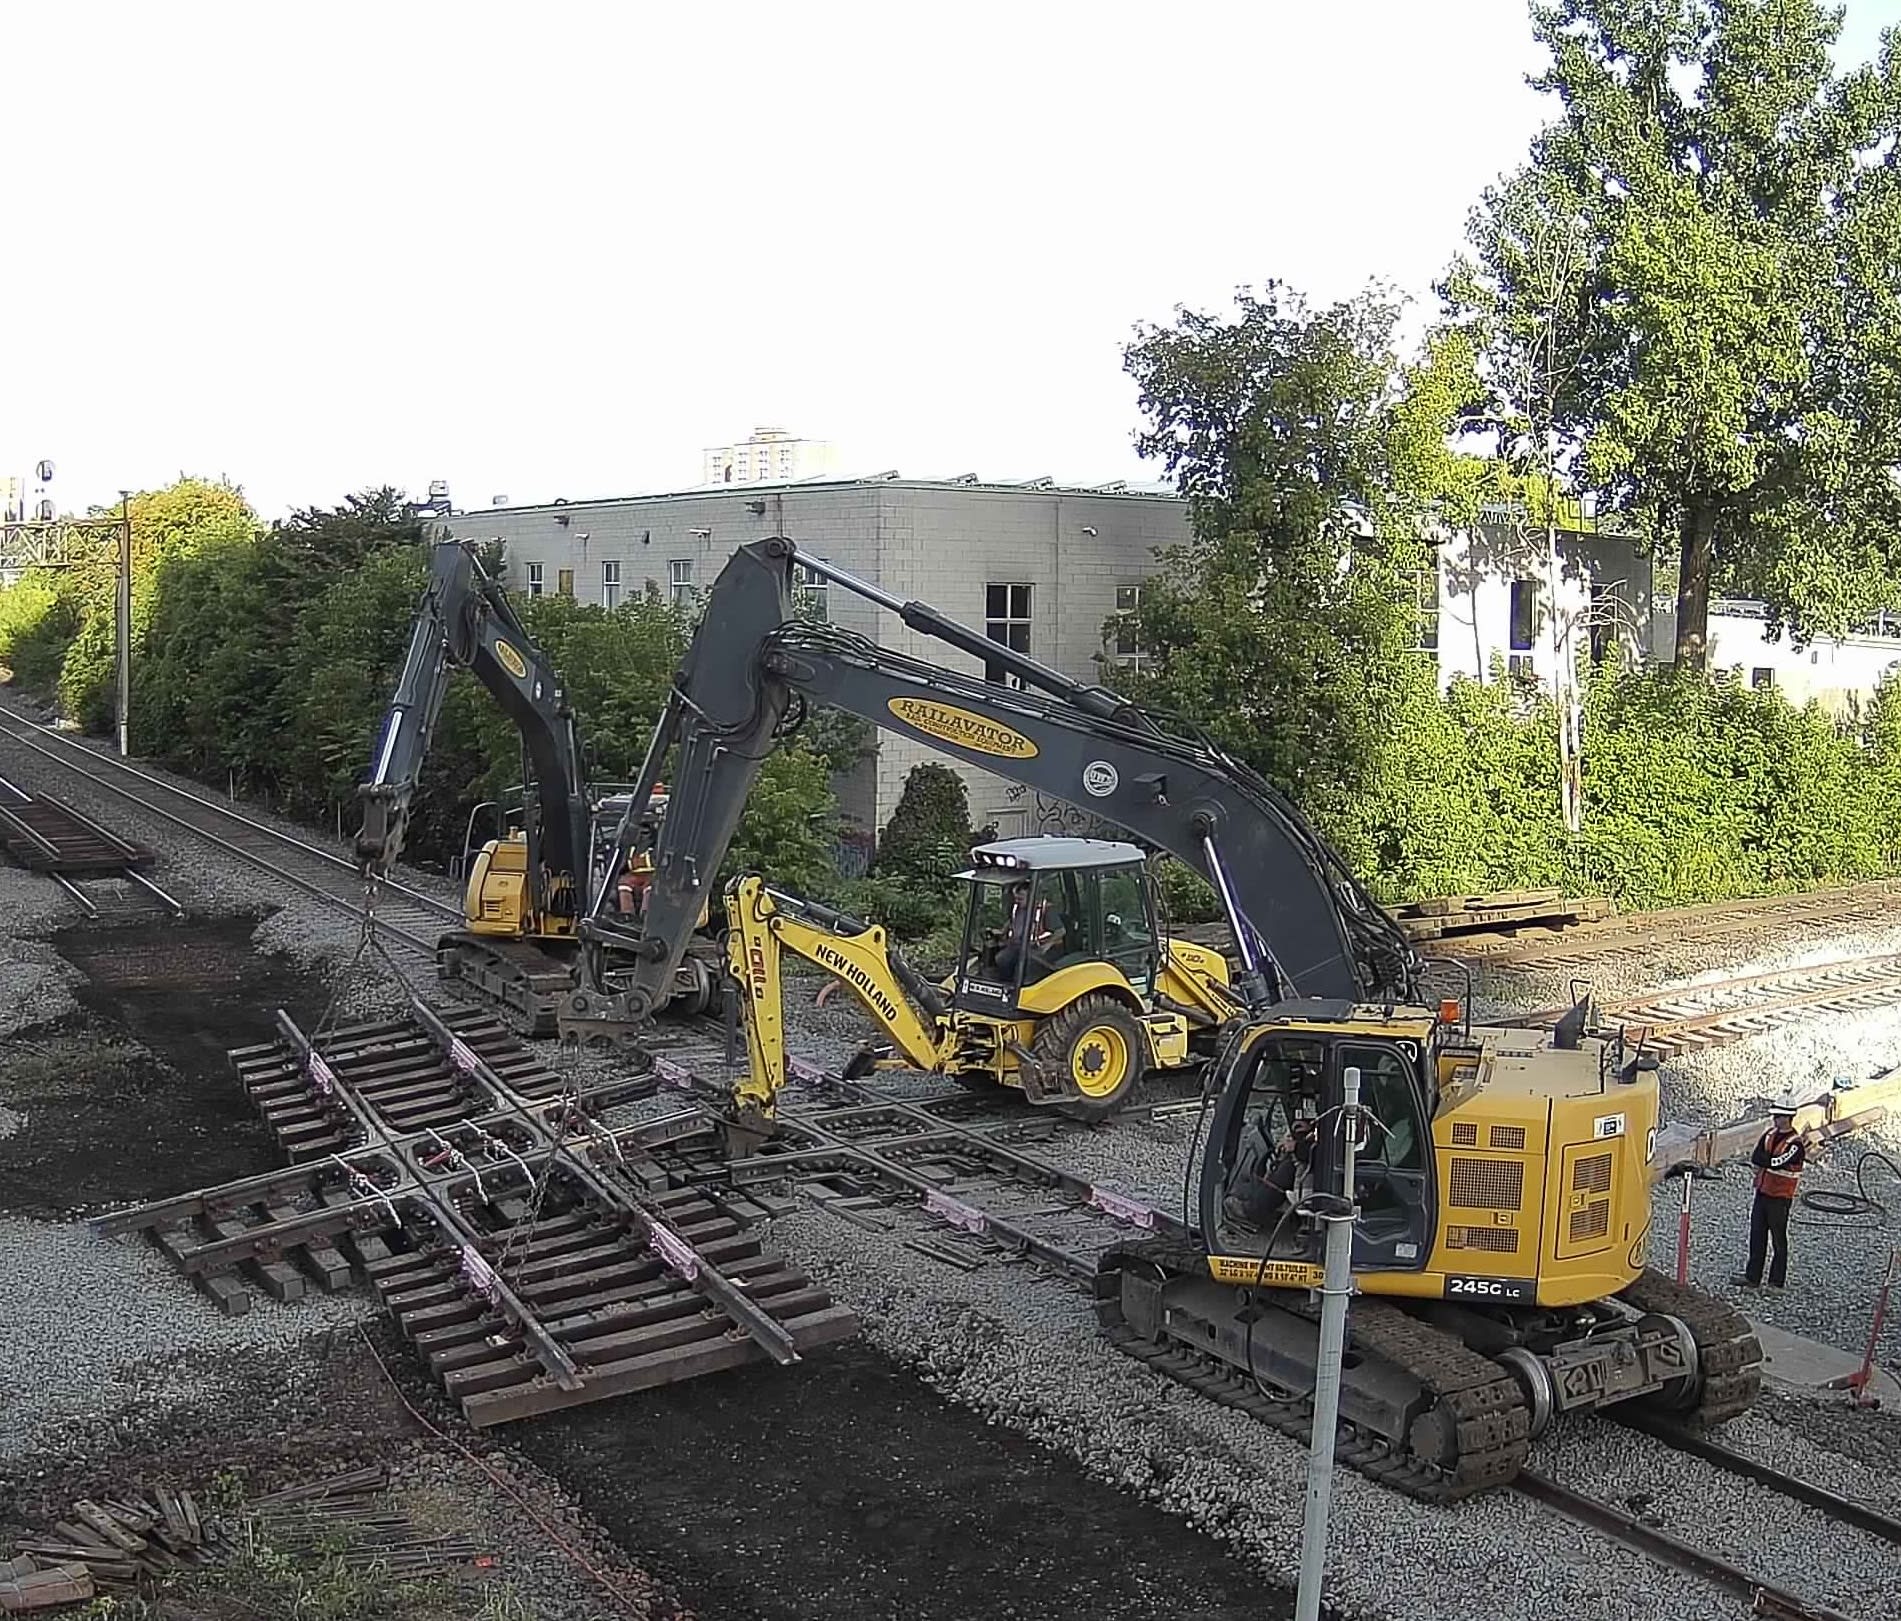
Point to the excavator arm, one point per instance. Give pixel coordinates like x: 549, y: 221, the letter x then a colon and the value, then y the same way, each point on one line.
x: 765, y: 923
x: 464, y: 619
x: 1302, y: 924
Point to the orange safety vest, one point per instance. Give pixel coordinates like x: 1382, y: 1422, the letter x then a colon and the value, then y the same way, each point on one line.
x: 1777, y: 1179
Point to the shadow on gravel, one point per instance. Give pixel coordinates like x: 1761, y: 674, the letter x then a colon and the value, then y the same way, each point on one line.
x: 133, y: 1098
x: 846, y: 1488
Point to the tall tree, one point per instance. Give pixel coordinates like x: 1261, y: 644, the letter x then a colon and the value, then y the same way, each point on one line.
x: 1315, y: 466
x: 1739, y: 207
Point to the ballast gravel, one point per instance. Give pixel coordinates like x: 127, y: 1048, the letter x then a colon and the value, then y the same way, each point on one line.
x: 96, y: 1325
x: 1028, y: 1354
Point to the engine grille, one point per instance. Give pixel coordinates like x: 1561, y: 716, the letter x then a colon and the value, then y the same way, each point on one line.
x: 1465, y: 1134
x: 1502, y: 1240
x: 1508, y: 1136
x: 1593, y: 1221
x: 1592, y: 1174
x: 1487, y: 1184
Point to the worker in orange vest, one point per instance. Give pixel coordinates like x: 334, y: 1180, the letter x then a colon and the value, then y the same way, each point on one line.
x: 1779, y: 1157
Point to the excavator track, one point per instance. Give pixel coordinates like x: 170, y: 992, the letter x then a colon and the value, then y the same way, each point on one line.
x: 1728, y: 1352
x: 522, y: 982
x: 1474, y: 1414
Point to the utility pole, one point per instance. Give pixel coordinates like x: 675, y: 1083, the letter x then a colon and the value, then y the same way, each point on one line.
x: 124, y: 625
x: 1339, y: 1214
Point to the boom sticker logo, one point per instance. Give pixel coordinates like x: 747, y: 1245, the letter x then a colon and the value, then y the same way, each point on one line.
x: 511, y: 660
x: 962, y: 728
x: 1100, y: 779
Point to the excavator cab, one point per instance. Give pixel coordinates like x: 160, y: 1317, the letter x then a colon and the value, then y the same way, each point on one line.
x: 1039, y: 907
x: 1275, y: 1137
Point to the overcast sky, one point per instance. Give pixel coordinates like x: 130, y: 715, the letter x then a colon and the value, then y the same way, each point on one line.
x: 556, y: 250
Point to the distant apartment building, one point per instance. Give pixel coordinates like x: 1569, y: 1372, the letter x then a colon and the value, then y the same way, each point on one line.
x: 769, y: 456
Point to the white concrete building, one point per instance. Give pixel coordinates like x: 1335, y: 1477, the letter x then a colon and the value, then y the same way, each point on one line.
x: 1039, y: 566
x: 1499, y: 594
x: 769, y: 456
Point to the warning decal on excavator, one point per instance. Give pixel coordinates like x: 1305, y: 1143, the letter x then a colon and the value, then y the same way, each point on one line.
x: 511, y: 660
x: 1274, y: 1275
x: 949, y: 724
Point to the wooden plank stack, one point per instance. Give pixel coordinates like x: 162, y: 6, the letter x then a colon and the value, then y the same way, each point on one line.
x: 109, y: 1542
x: 116, y: 1542
x: 1501, y: 911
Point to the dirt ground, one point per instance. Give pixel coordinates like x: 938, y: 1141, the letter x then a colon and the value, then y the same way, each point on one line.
x: 843, y: 1487
x: 133, y: 1098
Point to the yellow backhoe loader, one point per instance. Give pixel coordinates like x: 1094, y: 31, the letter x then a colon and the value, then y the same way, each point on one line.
x: 1065, y: 985
x: 1501, y: 1184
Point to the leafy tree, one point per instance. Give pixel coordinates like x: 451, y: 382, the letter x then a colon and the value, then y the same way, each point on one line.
x: 786, y: 832
x: 928, y: 837
x: 1314, y: 465
x: 1737, y: 208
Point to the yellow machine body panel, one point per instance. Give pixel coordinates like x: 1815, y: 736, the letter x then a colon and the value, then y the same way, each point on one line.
x: 1197, y: 977
x: 497, y: 901
x: 1540, y: 1159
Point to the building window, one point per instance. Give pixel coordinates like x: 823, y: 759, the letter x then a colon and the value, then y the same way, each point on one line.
x: 680, y: 582
x: 1520, y: 668
x: 610, y: 585
x: 1762, y: 679
x: 1006, y: 620
x: 564, y: 583
x: 1426, y: 607
x: 1524, y: 614
x: 534, y: 579
x: 810, y: 600
x: 1126, y: 644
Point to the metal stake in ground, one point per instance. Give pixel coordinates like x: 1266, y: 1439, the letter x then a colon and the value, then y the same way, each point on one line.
x: 1339, y: 1215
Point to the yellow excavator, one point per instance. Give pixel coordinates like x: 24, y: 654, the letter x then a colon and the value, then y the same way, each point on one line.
x: 1501, y: 1186
x: 526, y: 890
x: 1065, y: 988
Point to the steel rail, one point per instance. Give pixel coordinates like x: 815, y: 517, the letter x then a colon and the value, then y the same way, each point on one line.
x: 675, y: 1251
x: 10, y: 729
x: 1764, y: 1597
x: 1837, y: 1507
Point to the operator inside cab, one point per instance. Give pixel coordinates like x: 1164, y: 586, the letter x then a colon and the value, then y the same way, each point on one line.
x: 630, y: 892
x: 1032, y: 939
x: 1274, y: 1169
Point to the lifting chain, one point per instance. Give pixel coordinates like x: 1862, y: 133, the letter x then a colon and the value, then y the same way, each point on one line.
x: 569, y: 1067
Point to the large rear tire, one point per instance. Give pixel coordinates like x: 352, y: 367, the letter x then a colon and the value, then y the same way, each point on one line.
x: 1095, y: 1046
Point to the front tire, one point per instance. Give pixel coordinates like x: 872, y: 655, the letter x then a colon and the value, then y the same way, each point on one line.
x: 1095, y: 1046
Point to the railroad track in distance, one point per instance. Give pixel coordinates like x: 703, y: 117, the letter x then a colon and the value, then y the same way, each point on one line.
x: 1714, y: 1013
x: 407, y: 919
x: 1641, y: 934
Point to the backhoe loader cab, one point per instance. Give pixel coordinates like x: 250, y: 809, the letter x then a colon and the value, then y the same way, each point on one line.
x: 1039, y: 906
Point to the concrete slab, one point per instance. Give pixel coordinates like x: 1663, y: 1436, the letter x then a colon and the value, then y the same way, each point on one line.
x: 1801, y: 1364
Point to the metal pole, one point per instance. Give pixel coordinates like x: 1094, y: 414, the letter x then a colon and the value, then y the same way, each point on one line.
x: 124, y: 625
x: 1334, y: 1294
x: 1683, y: 1229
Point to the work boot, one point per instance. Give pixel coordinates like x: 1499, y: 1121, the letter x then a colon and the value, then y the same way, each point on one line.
x: 1743, y: 1281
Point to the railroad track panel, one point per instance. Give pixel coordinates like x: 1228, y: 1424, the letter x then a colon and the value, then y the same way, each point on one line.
x: 533, y: 1258
x: 408, y: 919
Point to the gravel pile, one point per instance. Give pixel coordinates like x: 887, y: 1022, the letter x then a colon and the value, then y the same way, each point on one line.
x: 96, y: 1325
x: 1682, y: 964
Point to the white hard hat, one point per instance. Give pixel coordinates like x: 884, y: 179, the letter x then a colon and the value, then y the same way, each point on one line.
x: 1788, y: 1103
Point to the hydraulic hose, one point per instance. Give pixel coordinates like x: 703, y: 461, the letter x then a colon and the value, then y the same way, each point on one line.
x: 1859, y: 1203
